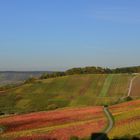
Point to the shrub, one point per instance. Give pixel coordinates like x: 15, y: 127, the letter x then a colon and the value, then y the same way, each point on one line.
x: 74, y: 138
x: 52, y: 107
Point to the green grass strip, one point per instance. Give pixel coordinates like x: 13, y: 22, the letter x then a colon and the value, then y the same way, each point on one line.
x: 106, y: 85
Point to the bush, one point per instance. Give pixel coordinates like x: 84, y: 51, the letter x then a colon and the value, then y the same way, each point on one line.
x: 1, y: 113
x: 52, y: 107
x: 105, y: 105
x: 74, y: 138
x: 129, y: 98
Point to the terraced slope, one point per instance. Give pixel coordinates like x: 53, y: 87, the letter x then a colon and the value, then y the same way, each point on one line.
x: 64, y: 123
x: 119, y: 85
x: 127, y: 119
x: 74, y: 90
x: 136, y: 87
x: 59, y: 124
x: 106, y: 86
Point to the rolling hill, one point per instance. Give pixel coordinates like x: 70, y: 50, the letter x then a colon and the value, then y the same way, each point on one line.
x: 78, y: 100
x: 66, y: 91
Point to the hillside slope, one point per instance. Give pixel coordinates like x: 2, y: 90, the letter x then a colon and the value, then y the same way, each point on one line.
x: 63, y: 123
x: 74, y: 90
x: 59, y: 124
x: 127, y: 119
x: 136, y: 88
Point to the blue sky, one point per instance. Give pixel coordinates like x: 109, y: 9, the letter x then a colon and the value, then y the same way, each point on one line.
x: 60, y: 34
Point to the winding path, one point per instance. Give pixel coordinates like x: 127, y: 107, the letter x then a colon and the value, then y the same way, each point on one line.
x: 109, y: 115
x: 110, y: 120
x: 130, y: 86
x: 110, y: 124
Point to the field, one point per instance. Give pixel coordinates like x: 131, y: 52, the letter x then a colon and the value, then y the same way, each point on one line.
x: 60, y: 124
x: 67, y: 91
x: 136, y: 87
x: 127, y: 119
x: 76, y: 99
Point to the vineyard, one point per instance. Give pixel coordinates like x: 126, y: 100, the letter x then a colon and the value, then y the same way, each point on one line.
x: 135, y: 87
x: 76, y: 108
x: 127, y: 119
x: 55, y: 124
x: 67, y: 91
x: 64, y: 123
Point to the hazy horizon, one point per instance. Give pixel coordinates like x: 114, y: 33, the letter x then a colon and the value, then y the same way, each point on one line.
x: 43, y: 35
x: 61, y: 69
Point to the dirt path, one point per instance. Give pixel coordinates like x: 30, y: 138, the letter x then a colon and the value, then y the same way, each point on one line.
x: 109, y: 127
x: 130, y: 86
x: 110, y: 120
x: 109, y: 115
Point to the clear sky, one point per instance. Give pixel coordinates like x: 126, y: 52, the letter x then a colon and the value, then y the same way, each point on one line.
x: 60, y: 34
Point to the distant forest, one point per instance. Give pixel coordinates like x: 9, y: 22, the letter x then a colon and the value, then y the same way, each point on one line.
x: 92, y: 70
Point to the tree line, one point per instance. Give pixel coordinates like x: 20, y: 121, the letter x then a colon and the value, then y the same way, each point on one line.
x: 91, y: 70
x: 85, y: 70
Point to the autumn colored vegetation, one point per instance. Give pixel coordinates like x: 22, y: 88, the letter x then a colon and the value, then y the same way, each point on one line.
x: 136, y: 87
x: 127, y: 119
x: 75, y: 107
x: 67, y: 91
x: 61, y: 124
x: 73, y: 122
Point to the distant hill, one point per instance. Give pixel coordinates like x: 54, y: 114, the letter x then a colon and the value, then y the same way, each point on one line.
x: 12, y: 77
